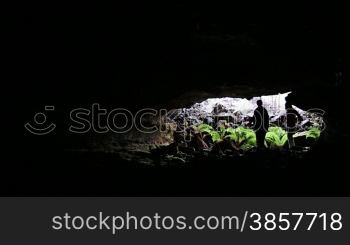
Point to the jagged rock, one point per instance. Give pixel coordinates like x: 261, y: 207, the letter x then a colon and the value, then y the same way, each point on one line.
x: 240, y: 110
x: 219, y: 108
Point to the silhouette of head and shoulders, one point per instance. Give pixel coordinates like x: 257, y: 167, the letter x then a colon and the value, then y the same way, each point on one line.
x: 260, y: 107
x: 261, y: 116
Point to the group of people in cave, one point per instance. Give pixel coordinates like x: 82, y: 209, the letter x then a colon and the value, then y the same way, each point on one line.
x: 262, y: 122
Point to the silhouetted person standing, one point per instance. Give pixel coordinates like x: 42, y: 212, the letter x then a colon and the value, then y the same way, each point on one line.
x: 261, y: 124
x: 292, y: 117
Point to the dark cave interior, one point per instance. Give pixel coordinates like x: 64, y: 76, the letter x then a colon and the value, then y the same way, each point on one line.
x: 172, y: 58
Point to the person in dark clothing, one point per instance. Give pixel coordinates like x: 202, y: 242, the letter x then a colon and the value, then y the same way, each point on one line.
x: 293, y: 117
x: 261, y: 124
